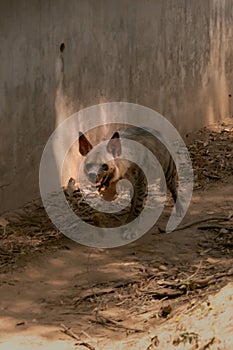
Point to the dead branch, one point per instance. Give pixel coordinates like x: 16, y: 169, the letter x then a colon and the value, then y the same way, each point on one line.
x: 217, y: 227
x: 95, y: 291
x: 188, y: 283
x: 71, y: 334
x: 196, y: 272
x: 111, y: 324
x: 196, y: 222
x: 164, y: 292
x: 211, y: 176
x: 207, y: 345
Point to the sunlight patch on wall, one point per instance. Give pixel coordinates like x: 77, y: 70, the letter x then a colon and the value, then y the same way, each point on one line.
x: 65, y: 106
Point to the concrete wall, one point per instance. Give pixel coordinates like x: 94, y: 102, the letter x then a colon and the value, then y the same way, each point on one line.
x: 173, y: 56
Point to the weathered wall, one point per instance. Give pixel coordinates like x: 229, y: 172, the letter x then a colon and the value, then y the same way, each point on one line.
x: 173, y: 56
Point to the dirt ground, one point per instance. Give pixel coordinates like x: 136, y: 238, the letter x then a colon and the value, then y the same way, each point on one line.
x: 164, y: 291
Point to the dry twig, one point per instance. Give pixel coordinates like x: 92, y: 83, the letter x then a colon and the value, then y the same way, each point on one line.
x: 106, y: 322
x: 71, y: 334
x: 195, y: 222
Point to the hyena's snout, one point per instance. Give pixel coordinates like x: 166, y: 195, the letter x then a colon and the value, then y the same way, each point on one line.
x: 92, y: 174
x: 91, y: 170
x: 103, y: 179
x: 98, y: 175
x: 92, y: 177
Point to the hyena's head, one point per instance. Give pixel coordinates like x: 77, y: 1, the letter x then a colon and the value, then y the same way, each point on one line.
x: 100, y: 167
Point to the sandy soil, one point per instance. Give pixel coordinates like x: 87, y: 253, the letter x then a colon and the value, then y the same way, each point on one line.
x: 164, y: 291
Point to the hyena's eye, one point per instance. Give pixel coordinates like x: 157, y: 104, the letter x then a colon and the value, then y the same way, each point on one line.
x: 104, y: 167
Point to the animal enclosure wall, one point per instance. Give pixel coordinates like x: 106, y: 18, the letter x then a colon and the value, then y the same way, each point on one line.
x: 60, y: 56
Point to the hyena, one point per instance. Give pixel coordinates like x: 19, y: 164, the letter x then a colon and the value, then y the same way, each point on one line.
x: 104, y: 172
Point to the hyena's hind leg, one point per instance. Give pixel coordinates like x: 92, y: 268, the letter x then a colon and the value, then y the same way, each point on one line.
x: 171, y: 181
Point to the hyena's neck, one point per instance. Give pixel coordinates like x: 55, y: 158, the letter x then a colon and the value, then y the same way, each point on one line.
x: 122, y: 168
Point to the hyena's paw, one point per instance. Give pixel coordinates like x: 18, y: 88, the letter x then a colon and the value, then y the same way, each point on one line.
x: 179, y: 208
x: 130, y: 234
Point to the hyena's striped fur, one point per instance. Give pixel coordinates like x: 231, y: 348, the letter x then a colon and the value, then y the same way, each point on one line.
x: 110, y: 172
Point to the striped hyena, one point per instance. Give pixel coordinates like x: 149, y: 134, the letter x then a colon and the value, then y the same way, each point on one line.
x: 104, y: 167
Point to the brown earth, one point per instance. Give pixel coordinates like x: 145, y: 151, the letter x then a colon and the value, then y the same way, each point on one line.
x: 164, y: 291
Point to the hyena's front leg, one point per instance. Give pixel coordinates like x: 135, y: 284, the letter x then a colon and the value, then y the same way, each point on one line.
x: 138, y: 180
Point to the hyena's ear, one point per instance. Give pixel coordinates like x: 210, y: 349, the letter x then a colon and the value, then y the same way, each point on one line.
x: 84, y: 145
x: 114, y: 145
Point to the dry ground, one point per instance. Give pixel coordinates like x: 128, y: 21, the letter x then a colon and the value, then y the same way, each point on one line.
x: 164, y: 291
